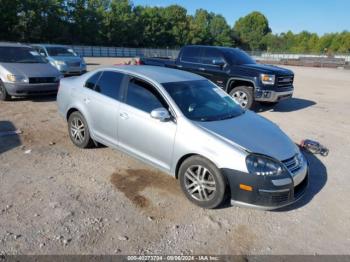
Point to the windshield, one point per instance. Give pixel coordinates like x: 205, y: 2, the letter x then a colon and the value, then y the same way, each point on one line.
x: 60, y: 51
x: 12, y: 54
x: 238, y: 57
x: 200, y: 100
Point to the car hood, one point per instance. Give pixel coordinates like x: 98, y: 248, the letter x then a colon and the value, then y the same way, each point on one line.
x: 267, y: 69
x: 253, y: 133
x: 31, y: 69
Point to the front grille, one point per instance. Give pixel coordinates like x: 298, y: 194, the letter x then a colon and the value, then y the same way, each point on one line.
x: 74, y: 64
x: 275, y: 197
x: 293, y: 164
x: 42, y: 80
x: 285, y: 81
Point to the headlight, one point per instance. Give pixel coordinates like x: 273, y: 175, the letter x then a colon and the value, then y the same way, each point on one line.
x: 17, y: 78
x: 267, y: 79
x: 60, y: 63
x: 263, y: 166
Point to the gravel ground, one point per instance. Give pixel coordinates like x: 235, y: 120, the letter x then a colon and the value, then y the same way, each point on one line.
x: 58, y: 199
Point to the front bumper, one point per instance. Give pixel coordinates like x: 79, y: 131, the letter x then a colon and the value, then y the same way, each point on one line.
x: 19, y: 89
x: 272, y: 96
x: 70, y: 70
x: 267, y: 193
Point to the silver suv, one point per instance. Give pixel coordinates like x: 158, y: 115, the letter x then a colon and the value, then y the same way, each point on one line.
x: 63, y: 58
x: 24, y: 72
x: 188, y: 127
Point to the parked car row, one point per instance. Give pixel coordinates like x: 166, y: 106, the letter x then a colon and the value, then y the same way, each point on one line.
x: 183, y: 123
x: 31, y: 70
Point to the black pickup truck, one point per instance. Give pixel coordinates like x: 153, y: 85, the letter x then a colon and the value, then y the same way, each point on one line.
x: 234, y: 71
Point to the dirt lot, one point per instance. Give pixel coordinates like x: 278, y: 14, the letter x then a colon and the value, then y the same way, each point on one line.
x: 58, y: 199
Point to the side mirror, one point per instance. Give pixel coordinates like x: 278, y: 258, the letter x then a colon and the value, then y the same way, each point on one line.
x: 42, y: 54
x: 219, y: 63
x: 161, y: 114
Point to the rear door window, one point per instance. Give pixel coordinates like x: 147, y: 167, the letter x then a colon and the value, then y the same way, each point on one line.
x: 91, y: 82
x: 107, y: 83
x: 143, y: 96
x: 191, y: 54
x: 211, y: 54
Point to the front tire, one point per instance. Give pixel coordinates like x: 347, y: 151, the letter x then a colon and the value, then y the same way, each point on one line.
x: 4, y: 96
x: 202, y: 182
x: 243, y: 95
x: 79, y: 131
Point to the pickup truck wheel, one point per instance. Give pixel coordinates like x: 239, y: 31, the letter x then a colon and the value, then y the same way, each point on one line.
x: 4, y: 96
x: 79, y: 131
x: 202, y: 182
x: 243, y: 95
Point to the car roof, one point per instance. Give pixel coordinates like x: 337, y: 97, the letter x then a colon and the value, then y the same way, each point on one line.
x: 50, y: 45
x: 10, y: 44
x: 215, y: 47
x: 157, y: 73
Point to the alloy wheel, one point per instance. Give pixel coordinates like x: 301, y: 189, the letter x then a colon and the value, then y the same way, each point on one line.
x: 77, y: 130
x: 241, y: 98
x: 200, y: 183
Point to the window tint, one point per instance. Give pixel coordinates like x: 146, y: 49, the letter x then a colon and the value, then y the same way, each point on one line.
x: 191, y: 54
x: 91, y: 82
x: 200, y: 100
x: 109, y: 84
x: 238, y: 57
x: 143, y: 96
x: 12, y: 54
x: 211, y: 54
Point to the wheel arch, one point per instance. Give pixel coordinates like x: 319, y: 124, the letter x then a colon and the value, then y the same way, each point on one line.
x: 185, y: 157
x: 235, y: 82
x: 70, y: 111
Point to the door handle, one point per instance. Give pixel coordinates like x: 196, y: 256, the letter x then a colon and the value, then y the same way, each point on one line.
x: 124, y: 115
x: 201, y: 69
x: 179, y: 66
x: 86, y: 100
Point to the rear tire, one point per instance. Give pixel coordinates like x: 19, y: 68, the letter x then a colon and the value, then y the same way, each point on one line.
x: 202, y: 182
x: 4, y: 96
x: 78, y: 130
x: 244, y: 96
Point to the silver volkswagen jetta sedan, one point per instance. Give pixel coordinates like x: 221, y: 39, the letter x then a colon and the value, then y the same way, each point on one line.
x: 188, y: 127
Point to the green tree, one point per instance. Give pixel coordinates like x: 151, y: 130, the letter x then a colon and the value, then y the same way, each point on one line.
x: 199, y: 28
x: 9, y: 19
x: 87, y: 20
x: 177, y: 25
x: 220, y: 31
x: 120, y: 24
x: 251, y: 30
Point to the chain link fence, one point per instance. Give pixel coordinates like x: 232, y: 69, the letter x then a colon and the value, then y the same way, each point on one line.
x: 102, y: 51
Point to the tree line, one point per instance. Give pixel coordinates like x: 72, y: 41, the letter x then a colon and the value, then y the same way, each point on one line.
x: 121, y: 23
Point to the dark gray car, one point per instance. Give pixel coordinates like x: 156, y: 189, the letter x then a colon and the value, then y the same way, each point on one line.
x: 24, y: 72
